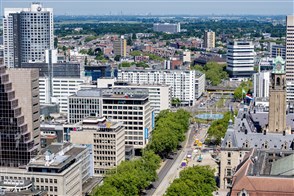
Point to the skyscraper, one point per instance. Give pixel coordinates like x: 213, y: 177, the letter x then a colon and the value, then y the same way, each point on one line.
x: 27, y: 33
x: 19, y: 131
x: 209, y: 39
x: 290, y: 58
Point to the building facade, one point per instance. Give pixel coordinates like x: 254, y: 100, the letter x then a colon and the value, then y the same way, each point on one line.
x: 240, y: 59
x: 108, y: 141
x: 290, y: 58
x: 167, y: 27
x: 186, y: 85
x: 17, y: 141
x: 27, y: 33
x: 278, y: 50
x: 134, y: 110
x: 27, y: 91
x: 209, y: 39
x: 62, y: 88
x: 277, y: 99
x: 60, y: 169
x: 261, y: 82
x: 120, y: 47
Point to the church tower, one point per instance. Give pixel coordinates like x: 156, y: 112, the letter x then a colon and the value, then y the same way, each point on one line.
x: 277, y: 98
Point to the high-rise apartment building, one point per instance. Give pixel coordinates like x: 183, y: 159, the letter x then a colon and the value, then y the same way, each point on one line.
x: 186, y: 85
x: 290, y: 58
x: 209, y: 39
x: 18, y: 128
x: 120, y: 47
x: 107, y: 138
x: 240, y: 59
x: 27, y: 33
x: 167, y: 27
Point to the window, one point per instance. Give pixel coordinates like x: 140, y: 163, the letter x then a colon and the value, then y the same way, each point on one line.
x: 229, y: 154
x: 55, y: 181
x: 55, y: 189
x: 229, y: 172
x: 229, y: 161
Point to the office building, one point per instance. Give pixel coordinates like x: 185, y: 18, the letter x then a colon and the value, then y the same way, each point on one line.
x: 27, y: 33
x: 209, y: 39
x: 120, y: 47
x: 107, y: 139
x: 19, y: 129
x: 261, y: 82
x: 59, y: 169
x: 240, y: 59
x: 27, y: 91
x: 187, y: 85
x: 167, y: 27
x: 159, y: 94
x: 131, y: 107
x: 278, y: 50
x: 62, y: 88
x: 265, y: 64
x: 290, y: 58
x: 100, y: 71
x: 59, y: 69
x: 264, y: 172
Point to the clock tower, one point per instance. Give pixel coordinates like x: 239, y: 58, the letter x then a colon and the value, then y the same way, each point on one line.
x: 277, y: 98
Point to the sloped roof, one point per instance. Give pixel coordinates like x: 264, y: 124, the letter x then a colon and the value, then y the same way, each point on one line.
x: 284, y: 166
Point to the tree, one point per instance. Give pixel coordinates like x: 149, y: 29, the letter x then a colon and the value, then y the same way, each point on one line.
x: 55, y: 42
x: 129, y: 41
x: 214, y: 72
x: 242, y: 90
x: 134, y: 37
x: 176, y: 101
x: 218, y: 129
x: 86, y: 61
x: 117, y: 57
x: 90, y: 52
x: 197, y: 180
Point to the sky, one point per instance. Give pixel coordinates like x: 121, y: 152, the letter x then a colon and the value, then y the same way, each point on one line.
x: 161, y: 7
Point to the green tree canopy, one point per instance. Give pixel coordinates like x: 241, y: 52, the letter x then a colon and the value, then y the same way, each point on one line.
x: 214, y: 72
x: 194, y: 181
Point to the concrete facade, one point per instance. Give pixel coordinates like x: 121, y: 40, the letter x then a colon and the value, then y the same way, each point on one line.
x: 107, y: 139
x: 27, y: 91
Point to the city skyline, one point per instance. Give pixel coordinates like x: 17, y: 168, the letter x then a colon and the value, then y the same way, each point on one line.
x: 174, y: 7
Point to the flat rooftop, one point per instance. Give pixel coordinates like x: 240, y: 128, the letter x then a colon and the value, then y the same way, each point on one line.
x: 56, y: 156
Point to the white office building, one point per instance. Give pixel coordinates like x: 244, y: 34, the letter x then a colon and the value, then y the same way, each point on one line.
x: 27, y: 33
x: 240, y: 59
x: 167, y: 27
x: 131, y: 107
x: 290, y: 58
x: 62, y: 88
x: 159, y: 94
x: 187, y: 85
x: 261, y: 82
